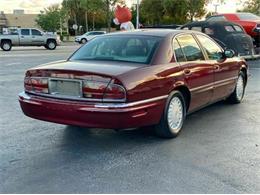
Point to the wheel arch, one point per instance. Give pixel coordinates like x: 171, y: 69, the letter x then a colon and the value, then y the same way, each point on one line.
x: 51, y: 39
x: 9, y: 40
x: 186, y: 94
x: 244, y: 70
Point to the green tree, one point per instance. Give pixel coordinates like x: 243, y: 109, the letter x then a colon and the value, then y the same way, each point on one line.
x: 152, y: 11
x: 195, y: 8
x: 252, y: 6
x: 93, y: 8
x: 51, y: 19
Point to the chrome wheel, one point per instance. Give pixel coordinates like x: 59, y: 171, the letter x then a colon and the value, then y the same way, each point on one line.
x: 51, y: 45
x: 175, y: 114
x: 240, y: 88
x: 6, y: 46
x: 83, y: 41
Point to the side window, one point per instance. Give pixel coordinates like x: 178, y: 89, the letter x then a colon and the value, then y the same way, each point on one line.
x: 209, y: 31
x: 190, y: 48
x: 196, y: 28
x: 238, y: 28
x: 178, y: 52
x: 36, y: 32
x: 25, y: 32
x: 216, y: 18
x: 229, y: 28
x: 214, y: 52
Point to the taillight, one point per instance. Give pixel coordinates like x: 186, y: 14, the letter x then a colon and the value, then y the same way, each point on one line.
x: 27, y: 84
x: 103, y: 91
x: 94, y: 89
x: 35, y: 84
x: 115, y: 92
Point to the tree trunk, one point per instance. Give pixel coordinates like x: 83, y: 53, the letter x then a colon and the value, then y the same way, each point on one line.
x: 108, y: 16
x: 86, y: 17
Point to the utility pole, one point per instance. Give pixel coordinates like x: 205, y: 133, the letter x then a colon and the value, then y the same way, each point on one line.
x: 216, y: 7
x: 137, y: 14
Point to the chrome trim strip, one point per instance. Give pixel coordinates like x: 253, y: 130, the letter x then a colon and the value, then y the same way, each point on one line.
x: 113, y: 105
x: 213, y: 84
x: 126, y: 105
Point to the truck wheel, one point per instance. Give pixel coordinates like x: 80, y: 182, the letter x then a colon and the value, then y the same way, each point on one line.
x: 6, y: 45
x: 51, y: 45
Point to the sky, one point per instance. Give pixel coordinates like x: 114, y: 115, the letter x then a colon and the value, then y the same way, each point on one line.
x: 34, y: 6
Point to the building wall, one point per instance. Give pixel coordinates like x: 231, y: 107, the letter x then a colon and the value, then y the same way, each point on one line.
x: 22, y: 20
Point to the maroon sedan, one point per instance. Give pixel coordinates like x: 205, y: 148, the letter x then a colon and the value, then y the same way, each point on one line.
x: 133, y: 79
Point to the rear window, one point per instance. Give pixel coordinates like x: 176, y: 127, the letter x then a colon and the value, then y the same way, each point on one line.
x: 137, y: 49
x: 248, y: 16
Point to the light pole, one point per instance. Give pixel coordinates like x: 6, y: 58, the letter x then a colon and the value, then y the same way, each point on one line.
x: 137, y: 14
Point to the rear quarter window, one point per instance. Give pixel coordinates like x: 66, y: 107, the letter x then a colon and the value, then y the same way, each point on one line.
x: 229, y: 28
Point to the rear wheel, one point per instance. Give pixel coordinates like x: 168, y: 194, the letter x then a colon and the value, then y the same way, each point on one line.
x: 83, y: 41
x: 51, y: 45
x: 238, y: 94
x: 6, y: 45
x: 173, y: 117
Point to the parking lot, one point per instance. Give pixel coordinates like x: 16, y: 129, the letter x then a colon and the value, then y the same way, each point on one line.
x: 218, y: 150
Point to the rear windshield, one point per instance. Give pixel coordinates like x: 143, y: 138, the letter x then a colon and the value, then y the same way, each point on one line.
x: 248, y: 16
x: 136, y: 49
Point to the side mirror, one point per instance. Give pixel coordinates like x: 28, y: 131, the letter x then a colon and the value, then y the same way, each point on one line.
x: 229, y: 53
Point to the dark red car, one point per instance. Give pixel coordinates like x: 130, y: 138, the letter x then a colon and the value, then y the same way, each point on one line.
x: 133, y: 79
x: 249, y: 21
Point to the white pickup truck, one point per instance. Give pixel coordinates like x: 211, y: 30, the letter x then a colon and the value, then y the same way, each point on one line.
x: 28, y: 37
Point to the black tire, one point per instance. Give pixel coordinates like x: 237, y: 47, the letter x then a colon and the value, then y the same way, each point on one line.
x: 83, y: 41
x: 6, y: 45
x: 164, y: 129
x: 237, y: 95
x: 51, y: 45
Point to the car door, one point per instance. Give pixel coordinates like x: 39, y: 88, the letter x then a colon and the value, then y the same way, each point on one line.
x: 37, y: 37
x: 198, y: 73
x: 90, y: 35
x: 25, y: 37
x: 225, y: 70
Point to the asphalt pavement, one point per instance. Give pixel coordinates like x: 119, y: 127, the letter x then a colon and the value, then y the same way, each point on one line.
x: 218, y: 150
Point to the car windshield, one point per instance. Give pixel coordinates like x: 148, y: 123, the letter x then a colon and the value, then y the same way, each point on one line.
x: 136, y: 49
x: 248, y: 16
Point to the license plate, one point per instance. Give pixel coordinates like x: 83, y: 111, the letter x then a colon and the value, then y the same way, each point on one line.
x: 60, y: 87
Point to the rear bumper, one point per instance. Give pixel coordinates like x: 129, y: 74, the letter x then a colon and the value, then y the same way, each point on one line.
x: 93, y: 115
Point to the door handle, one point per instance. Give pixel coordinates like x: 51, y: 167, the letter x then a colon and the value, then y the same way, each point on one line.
x: 187, y: 72
x: 216, y: 67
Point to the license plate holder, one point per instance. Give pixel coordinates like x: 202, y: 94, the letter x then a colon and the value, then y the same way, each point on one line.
x: 65, y: 87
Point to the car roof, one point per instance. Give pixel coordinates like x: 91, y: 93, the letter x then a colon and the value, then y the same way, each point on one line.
x: 150, y: 32
x: 209, y: 23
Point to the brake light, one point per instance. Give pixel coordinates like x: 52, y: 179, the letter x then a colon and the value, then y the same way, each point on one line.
x: 115, y: 92
x: 94, y: 89
x: 27, y: 84
x: 35, y: 84
x: 103, y: 91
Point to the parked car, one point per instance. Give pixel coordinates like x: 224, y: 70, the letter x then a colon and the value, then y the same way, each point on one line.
x: 88, y: 36
x: 227, y: 34
x: 28, y: 37
x: 134, y: 79
x: 249, y: 21
x: 170, y: 26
